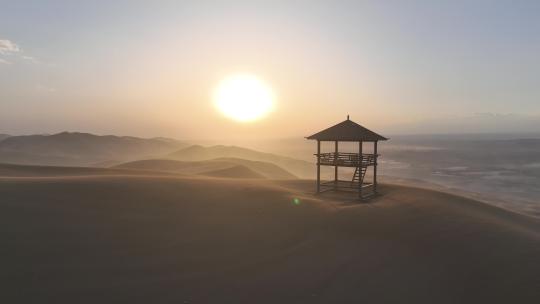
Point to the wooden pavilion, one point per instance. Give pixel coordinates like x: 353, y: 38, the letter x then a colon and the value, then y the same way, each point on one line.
x: 348, y: 131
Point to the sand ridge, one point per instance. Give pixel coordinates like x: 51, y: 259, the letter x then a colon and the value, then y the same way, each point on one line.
x: 214, y: 167
x: 143, y: 239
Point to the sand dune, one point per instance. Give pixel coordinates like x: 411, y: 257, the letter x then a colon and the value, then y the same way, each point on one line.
x: 109, y: 239
x: 226, y: 168
x: 236, y: 171
x: 12, y: 170
x: 258, y: 169
x: 300, y: 168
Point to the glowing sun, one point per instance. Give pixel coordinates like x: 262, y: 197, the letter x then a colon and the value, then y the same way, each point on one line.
x: 243, y: 97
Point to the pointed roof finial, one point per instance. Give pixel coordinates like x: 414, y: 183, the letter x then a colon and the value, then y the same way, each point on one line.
x: 347, y: 116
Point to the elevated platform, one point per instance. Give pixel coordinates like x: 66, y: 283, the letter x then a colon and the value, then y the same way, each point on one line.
x: 345, y: 159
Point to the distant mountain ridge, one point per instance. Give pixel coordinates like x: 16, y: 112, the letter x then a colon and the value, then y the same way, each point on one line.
x: 85, y: 149
x: 81, y: 149
x: 300, y: 168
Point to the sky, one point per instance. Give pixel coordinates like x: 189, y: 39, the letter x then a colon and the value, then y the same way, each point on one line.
x: 149, y: 68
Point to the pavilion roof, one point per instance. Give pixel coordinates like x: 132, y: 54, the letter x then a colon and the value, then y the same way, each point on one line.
x: 347, y: 130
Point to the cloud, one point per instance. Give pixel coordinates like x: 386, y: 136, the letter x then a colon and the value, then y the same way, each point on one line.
x: 9, y: 49
x: 6, y: 46
x: 30, y: 59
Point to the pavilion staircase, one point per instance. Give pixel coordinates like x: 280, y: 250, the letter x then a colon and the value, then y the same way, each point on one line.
x: 359, y: 174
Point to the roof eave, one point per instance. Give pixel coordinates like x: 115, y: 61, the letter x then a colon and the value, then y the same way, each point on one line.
x: 346, y: 139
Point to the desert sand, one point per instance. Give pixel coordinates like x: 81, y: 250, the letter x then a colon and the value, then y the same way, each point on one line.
x: 222, y: 167
x: 106, y: 237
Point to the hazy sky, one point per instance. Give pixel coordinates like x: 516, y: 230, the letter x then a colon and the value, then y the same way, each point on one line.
x: 149, y: 68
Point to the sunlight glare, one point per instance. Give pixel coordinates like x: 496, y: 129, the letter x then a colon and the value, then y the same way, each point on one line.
x: 244, y: 98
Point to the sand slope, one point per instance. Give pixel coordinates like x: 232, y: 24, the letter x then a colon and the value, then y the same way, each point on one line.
x: 107, y: 239
x: 12, y: 170
x: 236, y: 171
x: 258, y: 169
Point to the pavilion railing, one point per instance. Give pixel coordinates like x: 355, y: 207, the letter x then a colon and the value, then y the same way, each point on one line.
x: 345, y: 159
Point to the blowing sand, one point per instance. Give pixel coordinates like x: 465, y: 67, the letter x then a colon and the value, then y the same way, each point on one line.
x: 167, y: 239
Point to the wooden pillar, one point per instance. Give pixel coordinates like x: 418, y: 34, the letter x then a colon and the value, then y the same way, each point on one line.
x: 360, y: 171
x: 375, y: 167
x: 336, y: 166
x: 318, y: 166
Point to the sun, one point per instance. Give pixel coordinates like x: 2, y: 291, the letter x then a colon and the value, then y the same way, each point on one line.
x: 244, y: 98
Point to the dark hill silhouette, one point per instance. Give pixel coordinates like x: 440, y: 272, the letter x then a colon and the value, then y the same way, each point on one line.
x: 261, y: 169
x: 81, y: 149
x: 300, y: 168
x: 4, y: 136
